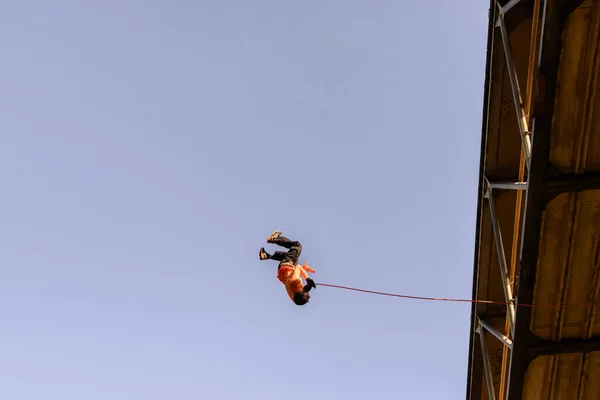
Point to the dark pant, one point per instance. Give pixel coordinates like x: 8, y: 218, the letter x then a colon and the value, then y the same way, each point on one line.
x: 284, y: 257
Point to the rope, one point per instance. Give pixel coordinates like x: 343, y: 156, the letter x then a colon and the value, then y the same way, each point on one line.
x: 404, y: 296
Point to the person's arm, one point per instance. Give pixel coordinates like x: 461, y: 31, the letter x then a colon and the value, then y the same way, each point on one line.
x: 299, y: 270
x: 309, y: 282
x: 309, y: 285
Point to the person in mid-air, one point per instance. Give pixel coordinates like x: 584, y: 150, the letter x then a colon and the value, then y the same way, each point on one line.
x: 288, y: 271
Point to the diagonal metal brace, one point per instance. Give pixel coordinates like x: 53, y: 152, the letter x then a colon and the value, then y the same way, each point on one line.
x: 514, y: 84
x: 501, y: 258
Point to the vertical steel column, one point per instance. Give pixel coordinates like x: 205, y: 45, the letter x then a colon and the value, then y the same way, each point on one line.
x: 503, y: 338
x: 501, y: 259
x: 514, y: 84
x: 486, y: 364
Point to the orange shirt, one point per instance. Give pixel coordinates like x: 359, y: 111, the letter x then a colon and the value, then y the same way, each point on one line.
x: 293, y: 284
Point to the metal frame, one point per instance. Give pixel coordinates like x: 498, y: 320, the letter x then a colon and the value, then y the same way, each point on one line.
x: 490, y: 328
x: 571, y: 183
x: 486, y: 363
x: 508, y: 185
x: 514, y: 81
x: 549, y: 347
x: 490, y: 187
x: 554, y: 16
x: 540, y: 186
x: 508, y: 296
x: 482, y: 327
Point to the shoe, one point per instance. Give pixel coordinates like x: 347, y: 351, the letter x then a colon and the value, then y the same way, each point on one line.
x: 263, y: 254
x: 274, y: 236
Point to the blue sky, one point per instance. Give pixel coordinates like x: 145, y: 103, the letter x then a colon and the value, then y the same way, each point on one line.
x: 150, y: 147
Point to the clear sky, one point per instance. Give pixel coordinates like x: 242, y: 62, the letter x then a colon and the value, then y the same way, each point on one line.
x: 150, y: 147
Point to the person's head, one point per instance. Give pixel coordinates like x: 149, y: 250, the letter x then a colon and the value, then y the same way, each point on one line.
x: 301, y: 298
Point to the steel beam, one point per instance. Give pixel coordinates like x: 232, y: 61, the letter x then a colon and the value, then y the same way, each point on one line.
x: 549, y: 347
x: 502, y: 259
x: 552, y: 24
x: 508, y: 185
x: 571, y: 183
x: 497, y: 334
x: 516, y: 91
x: 489, y: 380
x: 506, y: 8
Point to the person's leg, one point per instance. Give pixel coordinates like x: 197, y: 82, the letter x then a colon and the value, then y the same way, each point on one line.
x: 292, y: 255
x: 289, y: 257
x: 277, y: 256
x: 263, y: 255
